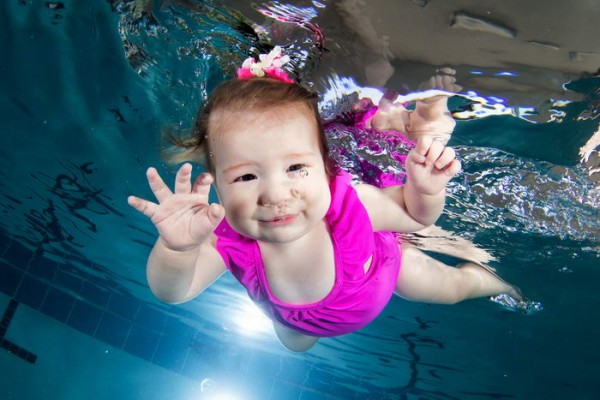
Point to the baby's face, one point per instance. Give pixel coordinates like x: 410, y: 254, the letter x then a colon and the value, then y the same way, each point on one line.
x: 269, y: 173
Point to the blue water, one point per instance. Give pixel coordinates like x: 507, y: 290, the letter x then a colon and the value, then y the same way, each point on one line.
x: 80, y: 124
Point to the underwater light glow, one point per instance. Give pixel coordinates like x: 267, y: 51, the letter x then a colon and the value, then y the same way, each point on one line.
x: 226, y: 396
x: 250, y: 320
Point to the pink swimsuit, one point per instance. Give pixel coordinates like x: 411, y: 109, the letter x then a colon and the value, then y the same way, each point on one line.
x: 356, y: 298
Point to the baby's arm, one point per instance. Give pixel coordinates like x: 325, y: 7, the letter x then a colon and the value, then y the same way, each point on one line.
x: 184, y: 260
x: 420, y: 201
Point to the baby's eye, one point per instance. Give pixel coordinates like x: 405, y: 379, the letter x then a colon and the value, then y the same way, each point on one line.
x: 296, y: 167
x: 245, y: 178
x: 299, y: 170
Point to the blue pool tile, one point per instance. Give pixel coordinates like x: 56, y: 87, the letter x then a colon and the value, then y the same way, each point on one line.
x: 31, y: 292
x: 113, y: 330
x: 197, y: 365
x: 175, y: 328
x: 42, y: 268
x: 4, y: 242
x: 69, y: 281
x: 57, y: 304
x: 260, y: 373
x: 150, y: 317
x: 18, y: 255
x: 283, y: 390
x: 85, y: 317
x: 126, y: 306
x: 9, y: 279
x: 95, y: 294
x: 171, y: 353
x: 320, y: 386
x: 295, y: 370
x: 141, y: 342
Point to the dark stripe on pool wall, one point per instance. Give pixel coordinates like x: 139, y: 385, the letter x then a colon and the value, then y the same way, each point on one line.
x: 7, y: 345
x: 9, y: 313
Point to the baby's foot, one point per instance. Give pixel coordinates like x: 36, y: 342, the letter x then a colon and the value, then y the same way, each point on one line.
x: 390, y: 116
x: 443, y: 79
x: 490, y: 283
x: 431, y: 115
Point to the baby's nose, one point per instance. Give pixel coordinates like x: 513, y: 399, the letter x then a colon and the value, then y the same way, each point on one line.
x: 274, y: 196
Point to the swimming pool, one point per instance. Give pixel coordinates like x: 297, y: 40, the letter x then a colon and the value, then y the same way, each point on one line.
x: 86, y: 88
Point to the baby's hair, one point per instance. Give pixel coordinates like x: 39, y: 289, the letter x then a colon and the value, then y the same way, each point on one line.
x: 243, y: 95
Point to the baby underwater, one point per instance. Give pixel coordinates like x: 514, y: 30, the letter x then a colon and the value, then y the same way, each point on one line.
x: 318, y: 255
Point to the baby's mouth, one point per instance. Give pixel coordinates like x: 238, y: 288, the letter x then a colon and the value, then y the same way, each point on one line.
x: 280, y: 220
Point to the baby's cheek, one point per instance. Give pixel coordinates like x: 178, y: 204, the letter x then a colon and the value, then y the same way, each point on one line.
x: 234, y: 206
x: 319, y: 196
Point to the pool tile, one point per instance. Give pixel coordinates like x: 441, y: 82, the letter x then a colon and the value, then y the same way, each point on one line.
x: 17, y: 255
x: 85, y: 317
x: 95, y: 294
x: 176, y: 328
x: 42, y: 268
x: 150, y: 317
x: 284, y: 391
x: 124, y: 305
x: 9, y: 279
x: 141, y: 342
x: 260, y: 374
x: 196, y: 365
x: 57, y: 304
x: 31, y: 292
x: 113, y: 330
x: 171, y: 353
x: 69, y: 281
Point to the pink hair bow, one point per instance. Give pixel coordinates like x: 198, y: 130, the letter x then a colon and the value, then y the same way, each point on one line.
x: 268, y: 65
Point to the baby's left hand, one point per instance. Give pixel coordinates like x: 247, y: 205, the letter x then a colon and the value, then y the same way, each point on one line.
x: 430, y: 165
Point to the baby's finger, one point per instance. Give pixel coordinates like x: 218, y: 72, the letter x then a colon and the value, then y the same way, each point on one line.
x: 451, y: 85
x: 202, y: 184
x: 157, y: 185
x: 183, y: 179
x: 144, y: 206
x: 423, y: 145
x: 440, y: 82
x: 216, y: 213
x: 448, y: 154
x: 432, y: 83
x: 446, y: 71
x: 453, y: 168
x: 448, y: 82
x: 434, y: 152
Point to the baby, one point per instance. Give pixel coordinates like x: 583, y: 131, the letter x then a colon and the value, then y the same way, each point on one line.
x: 318, y: 255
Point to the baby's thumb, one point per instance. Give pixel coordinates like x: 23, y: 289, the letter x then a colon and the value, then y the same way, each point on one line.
x: 216, y: 213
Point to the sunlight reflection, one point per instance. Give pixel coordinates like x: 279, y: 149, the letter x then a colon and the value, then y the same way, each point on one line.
x: 209, y: 390
x: 250, y: 320
x: 226, y: 396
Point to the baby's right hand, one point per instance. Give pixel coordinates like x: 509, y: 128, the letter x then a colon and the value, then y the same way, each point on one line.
x: 184, y: 218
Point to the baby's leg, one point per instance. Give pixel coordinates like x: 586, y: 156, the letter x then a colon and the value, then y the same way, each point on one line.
x: 294, y: 341
x: 423, y: 278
